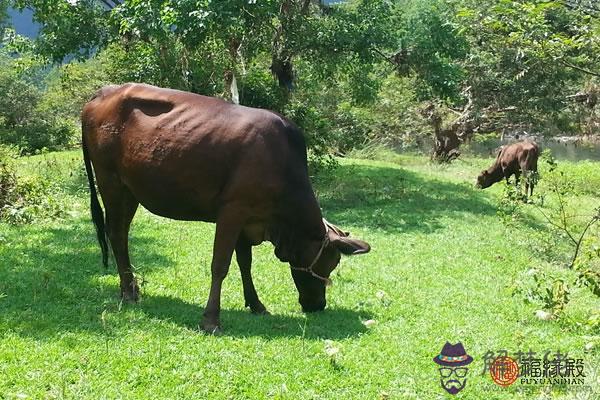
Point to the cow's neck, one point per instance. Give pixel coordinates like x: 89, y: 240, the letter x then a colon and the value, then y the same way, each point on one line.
x: 495, y: 172
x: 298, y: 228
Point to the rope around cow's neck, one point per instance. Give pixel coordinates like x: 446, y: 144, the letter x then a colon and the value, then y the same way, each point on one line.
x: 324, y: 244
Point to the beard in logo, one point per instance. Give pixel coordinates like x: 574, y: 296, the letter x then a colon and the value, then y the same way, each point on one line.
x: 453, y: 386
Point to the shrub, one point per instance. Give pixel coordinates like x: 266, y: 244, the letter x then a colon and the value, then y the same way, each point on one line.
x: 257, y: 88
x: 549, y: 291
x: 316, y: 131
x: 41, y: 133
x: 8, y: 178
x: 571, y: 237
x: 510, y: 204
x: 24, y: 122
x: 24, y: 199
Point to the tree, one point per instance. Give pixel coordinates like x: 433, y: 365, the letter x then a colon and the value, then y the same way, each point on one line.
x: 3, y: 12
x: 235, y: 32
x: 524, y: 58
x: 22, y: 122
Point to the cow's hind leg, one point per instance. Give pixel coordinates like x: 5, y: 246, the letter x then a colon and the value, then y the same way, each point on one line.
x: 243, y: 252
x: 527, y: 179
x: 531, y: 177
x: 531, y: 185
x: 120, y: 208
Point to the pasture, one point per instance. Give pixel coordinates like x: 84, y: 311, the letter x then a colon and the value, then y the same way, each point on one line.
x: 443, y: 267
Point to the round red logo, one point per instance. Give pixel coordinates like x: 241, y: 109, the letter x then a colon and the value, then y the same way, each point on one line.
x: 504, y: 371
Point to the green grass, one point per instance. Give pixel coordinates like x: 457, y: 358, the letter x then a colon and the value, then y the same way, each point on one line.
x: 442, y: 267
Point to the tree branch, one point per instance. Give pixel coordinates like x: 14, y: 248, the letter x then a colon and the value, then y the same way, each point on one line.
x: 384, y: 56
x: 578, y: 244
x: 305, y: 6
x: 551, y: 222
x: 580, y: 69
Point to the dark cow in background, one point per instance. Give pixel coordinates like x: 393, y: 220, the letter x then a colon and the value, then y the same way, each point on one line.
x: 190, y: 157
x: 512, y: 159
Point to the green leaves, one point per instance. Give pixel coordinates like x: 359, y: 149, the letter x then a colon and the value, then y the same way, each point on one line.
x: 68, y: 28
x: 527, y: 55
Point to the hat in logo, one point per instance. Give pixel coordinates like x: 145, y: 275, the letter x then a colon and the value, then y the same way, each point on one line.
x: 453, y: 355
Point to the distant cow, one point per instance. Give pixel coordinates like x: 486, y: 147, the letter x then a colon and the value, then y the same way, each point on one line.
x: 190, y: 157
x: 512, y: 159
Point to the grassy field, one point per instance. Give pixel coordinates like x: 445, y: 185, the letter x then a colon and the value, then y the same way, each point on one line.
x: 443, y: 267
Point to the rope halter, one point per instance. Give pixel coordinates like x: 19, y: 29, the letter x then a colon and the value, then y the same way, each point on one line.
x: 309, y: 269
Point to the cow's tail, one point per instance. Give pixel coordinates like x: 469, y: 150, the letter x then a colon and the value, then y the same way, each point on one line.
x: 97, y: 213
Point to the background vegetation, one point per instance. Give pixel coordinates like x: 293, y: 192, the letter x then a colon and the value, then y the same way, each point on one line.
x: 377, y: 86
x: 349, y: 73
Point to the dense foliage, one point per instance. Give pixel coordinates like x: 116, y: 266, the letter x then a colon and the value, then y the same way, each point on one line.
x: 349, y: 73
x: 26, y: 198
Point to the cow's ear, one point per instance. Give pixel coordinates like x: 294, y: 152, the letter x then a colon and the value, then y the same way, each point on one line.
x: 351, y: 247
x: 335, y: 229
x: 484, y: 172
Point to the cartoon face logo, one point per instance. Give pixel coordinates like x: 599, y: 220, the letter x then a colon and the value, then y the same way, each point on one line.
x: 452, y: 362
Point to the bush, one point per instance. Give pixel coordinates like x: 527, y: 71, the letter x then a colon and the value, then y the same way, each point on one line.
x: 23, y: 123
x: 24, y: 199
x: 39, y: 134
x: 40, y: 106
x: 353, y: 127
x: 257, y: 88
x: 571, y: 237
x: 316, y: 130
x: 510, y: 204
x: 8, y: 178
x: 391, y: 120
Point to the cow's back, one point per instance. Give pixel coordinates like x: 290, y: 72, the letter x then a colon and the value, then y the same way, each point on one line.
x: 520, y: 156
x: 184, y: 155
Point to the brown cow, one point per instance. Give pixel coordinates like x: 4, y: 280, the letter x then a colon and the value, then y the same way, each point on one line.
x: 195, y: 158
x: 512, y: 160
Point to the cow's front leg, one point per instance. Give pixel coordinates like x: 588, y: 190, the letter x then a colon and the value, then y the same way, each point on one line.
x: 243, y: 252
x: 506, y: 175
x: 229, y: 225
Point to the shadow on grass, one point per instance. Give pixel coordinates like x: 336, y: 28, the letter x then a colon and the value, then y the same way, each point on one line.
x: 395, y: 199
x: 51, y: 283
x: 51, y: 278
x: 336, y: 323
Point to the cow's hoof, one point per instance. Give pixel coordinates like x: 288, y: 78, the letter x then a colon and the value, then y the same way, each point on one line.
x: 211, y: 328
x: 130, y: 296
x: 264, y: 311
x: 259, y: 309
x: 130, y: 291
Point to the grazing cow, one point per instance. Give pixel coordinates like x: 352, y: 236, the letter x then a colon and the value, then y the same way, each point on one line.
x: 512, y: 160
x: 195, y: 158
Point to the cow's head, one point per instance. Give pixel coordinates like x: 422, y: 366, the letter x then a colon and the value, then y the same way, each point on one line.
x: 310, y: 279
x: 484, y: 180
